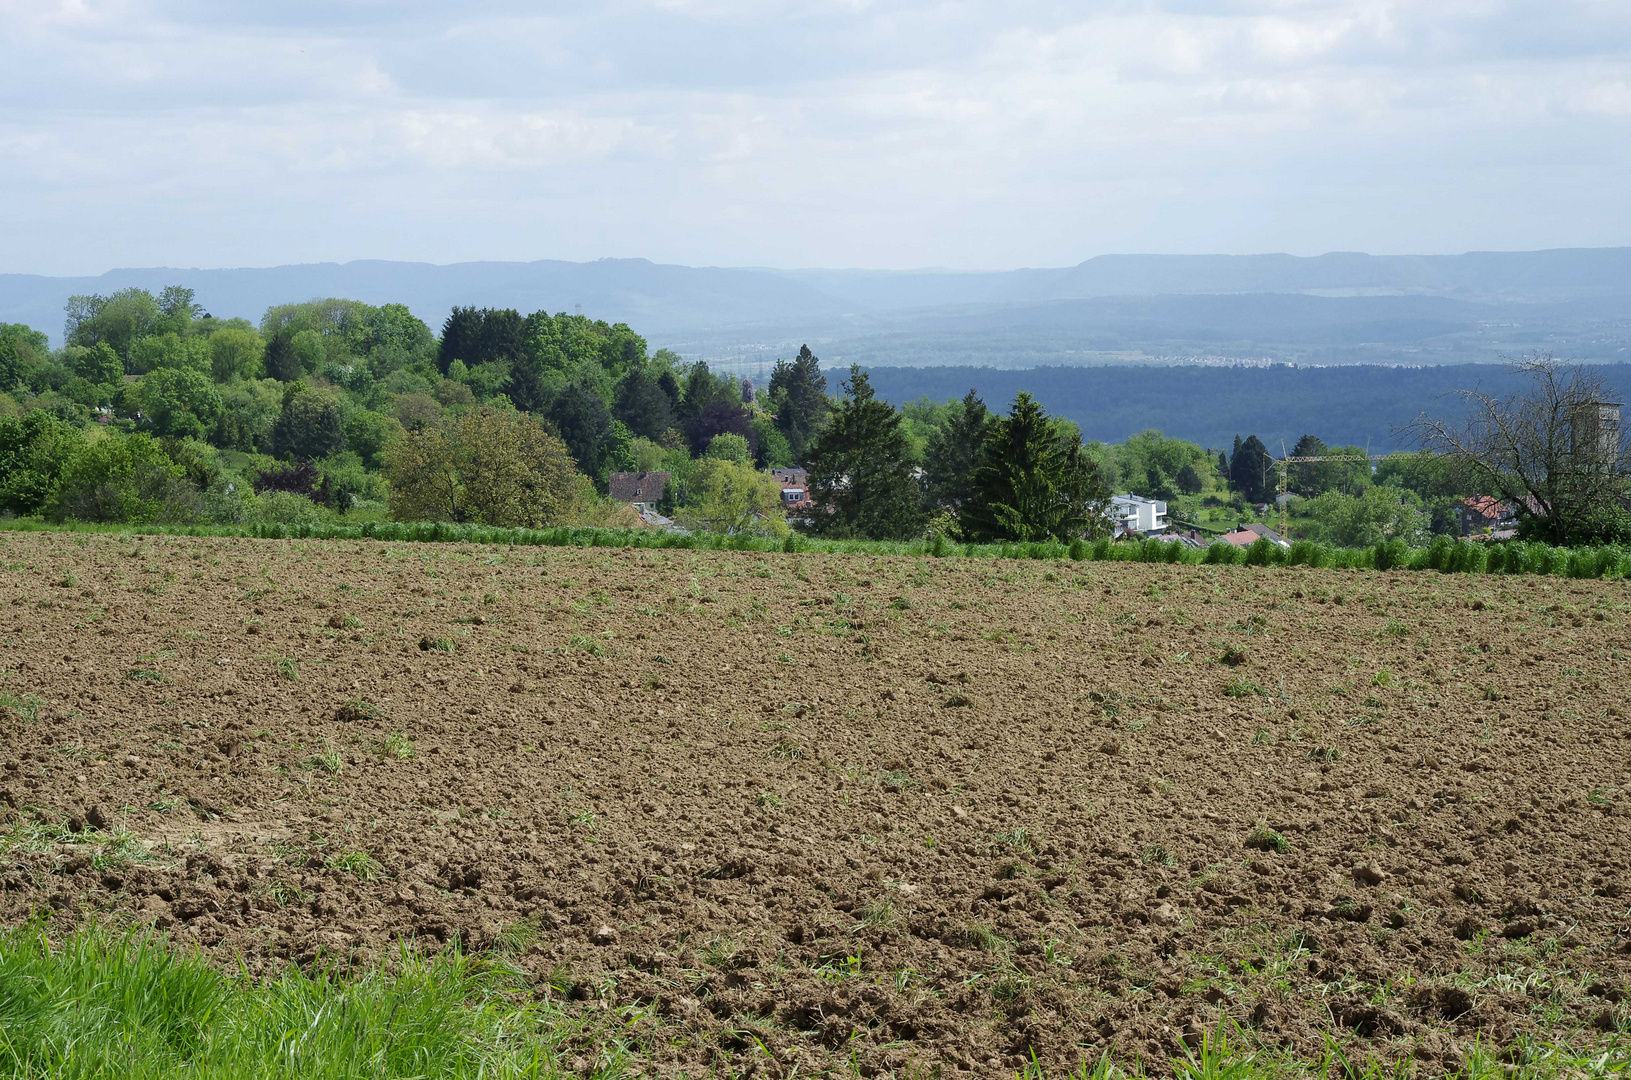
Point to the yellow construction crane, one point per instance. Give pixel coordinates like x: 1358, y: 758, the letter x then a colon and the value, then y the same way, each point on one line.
x: 1284, y: 462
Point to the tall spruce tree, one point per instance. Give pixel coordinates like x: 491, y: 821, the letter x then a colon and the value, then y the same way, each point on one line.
x: 798, y: 397
x: 1034, y: 482
x: 1310, y: 478
x: 1251, y: 470
x: 584, y: 423
x: 953, y: 454
x: 860, y: 469
x: 642, y: 405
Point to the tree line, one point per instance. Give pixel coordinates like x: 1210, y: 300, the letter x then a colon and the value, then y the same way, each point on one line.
x: 153, y: 410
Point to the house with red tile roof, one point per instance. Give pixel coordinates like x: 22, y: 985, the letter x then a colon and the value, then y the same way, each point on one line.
x: 1247, y: 535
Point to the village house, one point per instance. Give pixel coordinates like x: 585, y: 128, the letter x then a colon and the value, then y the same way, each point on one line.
x: 1484, y: 513
x: 643, y: 489
x: 1136, y: 514
x: 1247, y: 535
x: 795, y: 485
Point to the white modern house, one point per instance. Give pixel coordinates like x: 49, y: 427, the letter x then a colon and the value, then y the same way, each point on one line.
x: 1134, y: 513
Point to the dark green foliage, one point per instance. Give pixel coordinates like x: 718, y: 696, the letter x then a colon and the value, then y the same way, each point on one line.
x: 774, y: 451
x: 8, y: 364
x: 671, y: 386
x: 954, y: 453
x: 525, y: 386
x: 798, y: 397
x: 282, y: 362
x: 584, y: 424
x: 482, y: 337
x: 309, y: 425
x: 563, y: 349
x: 248, y: 411
x: 369, y: 434
x: 1251, y: 470
x: 1309, y: 478
x: 23, y: 357
x: 1149, y: 464
x: 299, y: 478
x: 703, y: 388
x: 720, y: 416
x: 861, y: 470
x: 643, y: 406
x: 391, y: 338
x: 120, y: 320
x: 99, y: 364
x: 1034, y: 482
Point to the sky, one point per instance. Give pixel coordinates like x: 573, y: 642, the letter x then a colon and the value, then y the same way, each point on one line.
x: 800, y: 133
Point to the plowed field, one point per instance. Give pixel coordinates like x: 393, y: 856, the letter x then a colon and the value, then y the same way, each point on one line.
x: 775, y: 812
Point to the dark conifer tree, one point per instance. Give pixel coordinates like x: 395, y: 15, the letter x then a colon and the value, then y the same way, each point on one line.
x: 643, y: 406
x: 1034, y: 482
x: 861, y: 470
x: 584, y: 423
x: 282, y: 362
x: 798, y: 397
x: 953, y: 454
x: 1251, y: 470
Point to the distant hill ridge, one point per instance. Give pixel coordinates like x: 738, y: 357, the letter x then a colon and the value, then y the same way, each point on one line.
x: 661, y: 300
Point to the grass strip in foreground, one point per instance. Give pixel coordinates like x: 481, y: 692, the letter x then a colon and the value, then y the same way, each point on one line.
x: 1445, y: 556
x: 102, y: 1005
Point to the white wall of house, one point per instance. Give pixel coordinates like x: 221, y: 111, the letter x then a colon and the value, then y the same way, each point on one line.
x: 1138, y: 514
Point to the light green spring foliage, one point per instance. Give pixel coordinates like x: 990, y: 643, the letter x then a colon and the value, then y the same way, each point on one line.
x: 130, y: 1008
x: 731, y: 497
x: 728, y: 447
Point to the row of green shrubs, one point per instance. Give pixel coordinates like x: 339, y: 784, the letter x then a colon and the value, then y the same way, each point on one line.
x: 1444, y: 555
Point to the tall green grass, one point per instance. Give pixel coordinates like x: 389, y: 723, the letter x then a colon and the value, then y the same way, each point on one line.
x: 106, y: 1006
x: 1444, y: 556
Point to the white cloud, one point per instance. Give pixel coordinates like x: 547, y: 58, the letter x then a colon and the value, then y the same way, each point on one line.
x: 889, y: 132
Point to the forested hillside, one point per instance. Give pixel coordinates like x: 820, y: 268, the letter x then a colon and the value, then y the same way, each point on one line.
x: 1360, y: 405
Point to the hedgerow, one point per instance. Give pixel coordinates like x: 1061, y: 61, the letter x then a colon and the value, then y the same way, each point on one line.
x: 1444, y: 555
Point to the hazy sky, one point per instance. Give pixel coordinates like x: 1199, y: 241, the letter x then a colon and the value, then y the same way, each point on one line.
x: 883, y: 133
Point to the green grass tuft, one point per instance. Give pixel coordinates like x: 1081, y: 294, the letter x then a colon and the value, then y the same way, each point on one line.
x: 102, y: 1006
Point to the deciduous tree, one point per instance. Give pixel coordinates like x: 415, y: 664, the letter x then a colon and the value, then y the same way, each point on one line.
x: 487, y: 466
x: 236, y: 354
x: 309, y: 426
x: 1556, y: 452
x: 725, y: 495
x: 174, y: 402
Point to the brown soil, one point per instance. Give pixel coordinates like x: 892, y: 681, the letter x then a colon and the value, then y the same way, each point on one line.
x: 840, y: 809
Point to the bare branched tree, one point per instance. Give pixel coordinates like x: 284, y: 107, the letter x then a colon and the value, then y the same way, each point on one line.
x: 1555, y: 452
